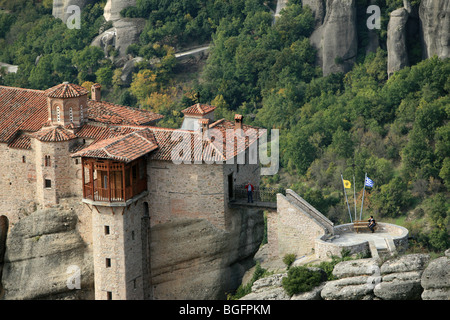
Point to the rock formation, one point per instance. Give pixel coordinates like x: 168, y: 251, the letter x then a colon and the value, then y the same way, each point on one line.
x: 192, y: 259
x: 113, y: 7
x: 396, y: 39
x: 43, y: 251
x: 318, y: 9
x: 336, y: 39
x: 123, y: 33
x: 401, y: 278
x: 60, y: 7
x: 408, y: 277
x: 271, y: 288
x: 436, y: 279
x: 435, y: 24
x: 356, y: 280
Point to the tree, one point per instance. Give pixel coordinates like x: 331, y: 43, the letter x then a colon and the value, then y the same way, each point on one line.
x: 143, y: 84
x: 104, y: 75
x: 87, y: 60
x: 392, y: 198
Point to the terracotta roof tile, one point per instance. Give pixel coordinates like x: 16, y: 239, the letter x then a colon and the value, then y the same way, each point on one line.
x: 66, y: 90
x: 198, y: 109
x: 54, y: 134
x: 106, y: 112
x: 21, y: 109
x: 21, y: 141
x: 26, y: 110
x: 124, y: 148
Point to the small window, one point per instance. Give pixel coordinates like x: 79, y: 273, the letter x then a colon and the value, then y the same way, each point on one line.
x: 48, y: 183
x: 132, y: 235
x: 58, y: 114
x: 107, y: 231
x: 47, y: 161
x: 76, y: 161
x: 81, y: 113
x: 108, y: 262
x: 108, y: 295
x: 71, y: 114
x: 24, y: 159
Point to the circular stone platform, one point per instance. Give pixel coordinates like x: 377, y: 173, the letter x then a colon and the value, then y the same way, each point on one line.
x: 387, y: 236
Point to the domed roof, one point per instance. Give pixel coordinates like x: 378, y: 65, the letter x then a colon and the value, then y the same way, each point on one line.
x: 66, y: 90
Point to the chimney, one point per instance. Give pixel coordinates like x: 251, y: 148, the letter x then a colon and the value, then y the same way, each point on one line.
x: 96, y: 92
x: 238, y: 121
x: 203, y: 125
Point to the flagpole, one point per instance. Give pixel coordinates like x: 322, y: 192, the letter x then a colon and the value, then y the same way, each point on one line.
x: 362, y: 203
x: 345, y: 192
x: 354, y: 193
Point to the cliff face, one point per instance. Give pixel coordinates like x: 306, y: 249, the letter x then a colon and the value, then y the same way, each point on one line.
x: 336, y: 33
x: 336, y: 38
x: 396, y: 40
x: 113, y: 7
x: 43, y: 253
x: 435, y: 23
x: 60, y: 7
x: 192, y: 259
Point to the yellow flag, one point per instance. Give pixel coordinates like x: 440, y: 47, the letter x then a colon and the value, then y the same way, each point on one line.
x: 347, y: 184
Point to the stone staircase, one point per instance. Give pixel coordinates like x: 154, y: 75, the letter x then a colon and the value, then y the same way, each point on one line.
x: 383, y: 251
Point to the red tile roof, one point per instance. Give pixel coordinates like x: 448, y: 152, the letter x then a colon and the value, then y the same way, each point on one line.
x: 124, y: 148
x: 66, y: 90
x: 100, y: 132
x: 106, y: 112
x: 250, y: 135
x: 26, y: 110
x: 119, y: 132
x: 54, y: 134
x: 21, y: 110
x: 21, y: 141
x: 198, y: 109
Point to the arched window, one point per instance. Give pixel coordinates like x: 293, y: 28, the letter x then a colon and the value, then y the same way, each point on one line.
x: 58, y: 114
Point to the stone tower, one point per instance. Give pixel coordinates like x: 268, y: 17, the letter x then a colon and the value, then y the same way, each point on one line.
x: 115, y: 190
x: 66, y: 105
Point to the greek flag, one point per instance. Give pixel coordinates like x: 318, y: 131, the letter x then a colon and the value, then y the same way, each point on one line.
x: 369, y: 182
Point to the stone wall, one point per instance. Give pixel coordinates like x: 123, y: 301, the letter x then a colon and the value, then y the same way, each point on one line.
x: 324, y: 247
x: 17, y: 183
x: 63, y: 172
x: 292, y: 230
x: 117, y: 250
x: 185, y: 191
x: 200, y: 248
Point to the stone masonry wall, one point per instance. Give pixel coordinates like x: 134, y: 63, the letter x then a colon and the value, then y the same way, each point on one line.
x: 186, y: 191
x: 294, y: 230
x: 117, y: 249
x: 17, y: 183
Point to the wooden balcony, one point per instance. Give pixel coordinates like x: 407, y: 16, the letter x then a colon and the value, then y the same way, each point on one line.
x: 108, y: 181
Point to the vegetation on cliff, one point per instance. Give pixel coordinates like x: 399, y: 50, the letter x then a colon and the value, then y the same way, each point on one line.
x: 394, y: 129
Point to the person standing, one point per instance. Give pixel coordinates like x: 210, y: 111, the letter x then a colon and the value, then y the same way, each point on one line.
x: 249, y: 187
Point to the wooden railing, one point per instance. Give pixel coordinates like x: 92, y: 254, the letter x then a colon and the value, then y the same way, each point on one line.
x: 113, y: 194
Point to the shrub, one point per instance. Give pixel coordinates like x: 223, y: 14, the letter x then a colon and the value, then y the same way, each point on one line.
x: 301, y: 279
x: 289, y: 259
x: 243, y: 290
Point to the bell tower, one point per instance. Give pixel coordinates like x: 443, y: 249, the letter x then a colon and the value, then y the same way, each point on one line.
x: 66, y: 104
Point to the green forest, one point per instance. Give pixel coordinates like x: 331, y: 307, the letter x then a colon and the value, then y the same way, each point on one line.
x: 394, y: 129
